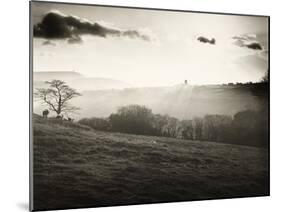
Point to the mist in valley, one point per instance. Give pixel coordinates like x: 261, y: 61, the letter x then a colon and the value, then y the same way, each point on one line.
x: 101, y: 97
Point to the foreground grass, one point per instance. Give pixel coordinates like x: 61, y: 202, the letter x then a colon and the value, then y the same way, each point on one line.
x: 75, y: 166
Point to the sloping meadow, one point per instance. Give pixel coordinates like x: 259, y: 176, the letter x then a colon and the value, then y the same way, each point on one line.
x: 75, y: 166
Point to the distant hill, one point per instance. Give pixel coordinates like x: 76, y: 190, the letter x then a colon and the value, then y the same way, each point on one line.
x: 60, y: 75
x: 85, y: 83
x: 78, y: 81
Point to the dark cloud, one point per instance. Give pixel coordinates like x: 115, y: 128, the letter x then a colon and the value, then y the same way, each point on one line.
x: 255, y: 46
x: 248, y: 41
x: 56, y: 25
x: 206, y: 40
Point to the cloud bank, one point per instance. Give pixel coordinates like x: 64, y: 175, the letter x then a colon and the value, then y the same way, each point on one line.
x: 56, y: 25
x: 249, y: 41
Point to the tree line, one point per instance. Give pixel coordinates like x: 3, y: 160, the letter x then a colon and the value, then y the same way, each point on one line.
x: 246, y: 127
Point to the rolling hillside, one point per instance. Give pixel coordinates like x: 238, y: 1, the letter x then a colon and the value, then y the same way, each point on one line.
x: 102, y: 96
x: 182, y: 102
x: 75, y: 166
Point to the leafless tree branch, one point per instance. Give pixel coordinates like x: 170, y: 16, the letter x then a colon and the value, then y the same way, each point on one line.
x: 57, y: 96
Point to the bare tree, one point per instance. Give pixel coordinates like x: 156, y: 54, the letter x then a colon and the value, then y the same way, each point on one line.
x: 57, y: 96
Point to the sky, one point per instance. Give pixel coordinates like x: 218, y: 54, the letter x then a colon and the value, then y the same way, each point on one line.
x: 149, y: 47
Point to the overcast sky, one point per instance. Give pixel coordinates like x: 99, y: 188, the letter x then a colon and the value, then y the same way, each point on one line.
x: 148, y: 47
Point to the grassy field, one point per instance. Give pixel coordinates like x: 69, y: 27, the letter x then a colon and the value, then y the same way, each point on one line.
x: 75, y: 166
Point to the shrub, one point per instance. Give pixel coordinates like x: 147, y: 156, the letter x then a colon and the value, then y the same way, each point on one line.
x: 134, y: 119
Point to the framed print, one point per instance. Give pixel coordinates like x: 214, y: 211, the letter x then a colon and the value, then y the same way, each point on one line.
x: 140, y: 105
